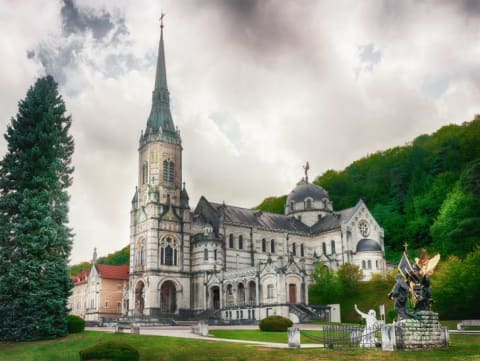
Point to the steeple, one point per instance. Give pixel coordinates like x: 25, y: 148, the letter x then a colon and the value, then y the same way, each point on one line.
x: 160, y: 119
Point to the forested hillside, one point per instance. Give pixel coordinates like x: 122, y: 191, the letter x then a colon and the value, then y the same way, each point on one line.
x: 425, y: 193
x: 118, y: 258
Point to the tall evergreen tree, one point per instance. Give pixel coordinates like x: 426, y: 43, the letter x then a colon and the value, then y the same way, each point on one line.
x: 35, y: 241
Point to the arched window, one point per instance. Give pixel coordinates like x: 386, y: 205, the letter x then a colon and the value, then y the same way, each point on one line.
x: 272, y: 246
x: 363, y: 265
x: 140, y: 252
x: 171, y: 172
x: 168, y: 171
x: 308, y: 204
x: 215, y: 254
x: 145, y: 172
x: 294, y: 249
x: 376, y: 264
x: 168, y: 249
x: 324, y: 248
x: 292, y: 206
x: 230, y: 241
x: 333, y: 246
x: 264, y: 245
x: 240, y: 242
x: 302, y: 251
x: 369, y: 264
x: 205, y: 254
x: 168, y: 255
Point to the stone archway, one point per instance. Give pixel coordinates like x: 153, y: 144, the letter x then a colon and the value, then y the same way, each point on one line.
x: 215, y: 297
x: 168, y: 297
x: 139, y: 298
x: 240, y: 294
x: 252, y: 293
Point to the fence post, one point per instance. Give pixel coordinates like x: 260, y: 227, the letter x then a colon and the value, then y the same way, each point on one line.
x: 294, y: 337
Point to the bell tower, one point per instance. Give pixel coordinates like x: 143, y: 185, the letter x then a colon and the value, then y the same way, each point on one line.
x: 160, y: 215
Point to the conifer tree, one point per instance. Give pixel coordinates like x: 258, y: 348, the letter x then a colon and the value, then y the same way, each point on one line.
x: 35, y: 241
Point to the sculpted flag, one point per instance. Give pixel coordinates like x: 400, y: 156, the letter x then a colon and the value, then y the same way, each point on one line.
x: 406, y: 269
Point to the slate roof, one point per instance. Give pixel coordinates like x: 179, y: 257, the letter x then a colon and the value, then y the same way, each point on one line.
x: 259, y: 219
x: 332, y: 221
x: 113, y: 272
x: 211, y: 212
x: 368, y: 245
x: 304, y: 190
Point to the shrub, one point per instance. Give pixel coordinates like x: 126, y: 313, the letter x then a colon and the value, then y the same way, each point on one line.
x: 275, y: 323
x: 115, y: 351
x: 75, y: 324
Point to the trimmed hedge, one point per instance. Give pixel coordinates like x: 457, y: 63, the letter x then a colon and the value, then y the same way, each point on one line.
x: 75, y: 324
x: 115, y: 351
x: 275, y: 323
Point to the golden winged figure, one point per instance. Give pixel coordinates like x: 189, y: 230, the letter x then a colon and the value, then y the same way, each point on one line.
x: 426, y: 264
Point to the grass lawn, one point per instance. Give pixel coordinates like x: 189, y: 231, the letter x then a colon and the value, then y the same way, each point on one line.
x: 257, y: 335
x: 153, y: 348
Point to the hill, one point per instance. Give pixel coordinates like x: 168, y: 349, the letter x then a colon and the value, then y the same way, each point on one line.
x: 119, y: 258
x: 424, y: 193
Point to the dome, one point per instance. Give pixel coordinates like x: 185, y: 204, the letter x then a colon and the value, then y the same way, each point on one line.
x: 305, y: 190
x: 368, y: 245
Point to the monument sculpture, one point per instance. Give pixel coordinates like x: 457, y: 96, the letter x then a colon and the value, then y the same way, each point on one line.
x: 419, y: 329
x: 368, y: 338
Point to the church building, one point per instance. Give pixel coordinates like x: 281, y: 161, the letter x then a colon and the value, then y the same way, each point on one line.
x: 228, y: 262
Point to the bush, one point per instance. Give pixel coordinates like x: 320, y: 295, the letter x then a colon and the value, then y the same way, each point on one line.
x: 75, y: 324
x: 115, y: 351
x: 275, y: 323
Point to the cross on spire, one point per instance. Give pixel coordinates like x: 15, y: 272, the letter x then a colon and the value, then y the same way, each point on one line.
x: 161, y: 20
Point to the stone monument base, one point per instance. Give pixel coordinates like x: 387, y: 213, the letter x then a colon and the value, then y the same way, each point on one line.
x: 423, y: 332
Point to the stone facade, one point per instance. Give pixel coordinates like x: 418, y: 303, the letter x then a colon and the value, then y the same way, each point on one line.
x: 234, y: 262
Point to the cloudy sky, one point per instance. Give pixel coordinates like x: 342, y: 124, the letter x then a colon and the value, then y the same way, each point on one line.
x: 257, y: 88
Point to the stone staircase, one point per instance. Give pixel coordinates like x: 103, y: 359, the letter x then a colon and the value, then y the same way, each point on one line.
x: 303, y: 312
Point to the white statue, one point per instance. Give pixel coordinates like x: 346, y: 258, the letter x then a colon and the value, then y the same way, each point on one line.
x: 368, y: 334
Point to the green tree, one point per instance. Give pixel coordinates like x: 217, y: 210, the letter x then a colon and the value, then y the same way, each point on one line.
x: 456, y: 231
x: 326, y: 287
x: 456, y: 287
x: 349, y: 276
x: 35, y: 241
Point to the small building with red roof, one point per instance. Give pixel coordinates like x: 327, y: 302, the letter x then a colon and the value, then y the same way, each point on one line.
x: 98, y: 293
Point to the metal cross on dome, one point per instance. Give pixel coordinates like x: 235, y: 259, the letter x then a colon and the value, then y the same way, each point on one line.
x: 306, y: 167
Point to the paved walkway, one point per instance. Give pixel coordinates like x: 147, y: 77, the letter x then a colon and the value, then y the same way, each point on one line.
x: 186, y: 332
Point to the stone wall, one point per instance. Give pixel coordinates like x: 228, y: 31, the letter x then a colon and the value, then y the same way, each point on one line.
x: 424, y: 332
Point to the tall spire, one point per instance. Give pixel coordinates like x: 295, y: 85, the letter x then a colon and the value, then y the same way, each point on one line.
x: 160, y: 118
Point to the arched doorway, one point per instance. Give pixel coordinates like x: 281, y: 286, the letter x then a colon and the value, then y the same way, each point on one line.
x: 168, y: 297
x: 292, y: 292
x: 240, y: 294
x: 215, y: 297
x: 139, y: 298
x: 252, y: 293
x: 229, y: 295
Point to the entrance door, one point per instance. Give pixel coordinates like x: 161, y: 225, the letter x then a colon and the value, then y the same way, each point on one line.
x: 292, y: 293
x: 168, y: 297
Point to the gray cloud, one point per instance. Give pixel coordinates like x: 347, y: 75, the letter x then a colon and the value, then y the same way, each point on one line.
x: 257, y: 88
x: 62, y: 54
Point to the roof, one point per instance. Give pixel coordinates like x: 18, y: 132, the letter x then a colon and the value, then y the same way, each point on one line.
x: 160, y: 122
x: 113, y: 272
x: 368, y: 245
x: 81, y: 277
x: 332, y: 220
x: 304, y: 190
x: 260, y: 219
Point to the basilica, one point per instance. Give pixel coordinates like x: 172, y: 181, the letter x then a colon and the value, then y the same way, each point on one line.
x: 230, y: 262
